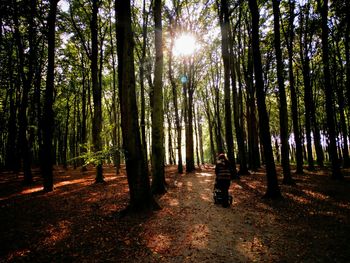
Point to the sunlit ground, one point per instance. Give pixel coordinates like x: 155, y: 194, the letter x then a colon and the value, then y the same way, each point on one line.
x: 78, y: 222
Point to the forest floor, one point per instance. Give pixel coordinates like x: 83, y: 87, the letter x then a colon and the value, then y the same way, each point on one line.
x: 79, y: 222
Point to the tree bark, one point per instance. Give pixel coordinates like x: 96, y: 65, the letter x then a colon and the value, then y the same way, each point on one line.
x: 158, y: 152
x: 336, y: 173
x: 174, y: 93
x: 26, y: 80
x: 96, y: 94
x: 137, y: 171
x: 243, y: 169
x: 188, y: 101
x: 142, y: 83
x: 225, y: 27
x: 283, y: 113
x: 308, y: 100
x: 293, y: 94
x: 273, y: 190
x: 48, y: 117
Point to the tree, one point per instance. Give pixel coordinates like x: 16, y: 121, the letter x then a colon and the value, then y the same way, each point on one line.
x: 336, y: 173
x: 273, y: 190
x: 137, y: 171
x: 158, y: 177
x: 173, y: 25
x: 287, y: 179
x: 48, y: 117
x: 96, y: 92
x: 26, y: 79
x: 293, y: 93
x: 237, y: 104
x: 225, y: 27
x: 308, y: 100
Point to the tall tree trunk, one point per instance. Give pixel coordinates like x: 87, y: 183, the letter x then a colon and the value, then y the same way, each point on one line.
x: 96, y: 93
x: 273, y: 190
x: 22, y: 115
x: 287, y: 178
x: 210, y: 126
x: 65, y: 139
x: 116, y: 150
x: 341, y: 104
x: 243, y: 169
x: 200, y: 136
x: 136, y: 167
x: 197, y: 136
x: 48, y: 117
x: 219, y: 142
x: 158, y: 152
x: 253, y: 142
x: 175, y: 102
x: 293, y: 94
x: 336, y: 173
x: 189, y: 121
x: 83, y: 113
x: 238, y: 103
x: 347, y: 57
x: 170, y: 144
x: 142, y: 73
x: 11, y: 159
x: 225, y: 27
x: 308, y: 100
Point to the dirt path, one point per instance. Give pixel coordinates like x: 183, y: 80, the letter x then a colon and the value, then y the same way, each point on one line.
x: 78, y: 221
x: 199, y: 230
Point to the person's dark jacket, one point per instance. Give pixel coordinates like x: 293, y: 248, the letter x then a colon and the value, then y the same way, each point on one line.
x: 222, y: 170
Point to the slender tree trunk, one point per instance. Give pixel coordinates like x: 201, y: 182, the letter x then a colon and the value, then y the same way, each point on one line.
x: 22, y: 115
x: 293, y: 94
x: 170, y: 144
x: 116, y: 150
x: 65, y: 140
x: 142, y: 83
x: 273, y: 190
x: 174, y: 93
x: 308, y: 101
x: 48, y: 117
x: 96, y: 94
x: 341, y: 104
x: 253, y: 142
x: 219, y: 143
x: 336, y: 173
x: 287, y: 178
x: 11, y: 159
x: 347, y: 58
x: 243, y: 169
x: 200, y: 136
x: 137, y: 171
x: 83, y: 144
x: 196, y: 133
x: 158, y: 152
x: 210, y: 126
x: 238, y: 102
x: 225, y: 27
x: 189, y: 122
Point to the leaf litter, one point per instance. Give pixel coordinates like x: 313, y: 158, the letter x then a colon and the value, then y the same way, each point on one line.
x: 78, y: 221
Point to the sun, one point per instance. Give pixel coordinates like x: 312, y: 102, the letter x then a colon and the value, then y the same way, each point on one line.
x: 185, y: 45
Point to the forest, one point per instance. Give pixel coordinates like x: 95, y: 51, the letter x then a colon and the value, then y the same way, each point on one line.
x: 113, y: 114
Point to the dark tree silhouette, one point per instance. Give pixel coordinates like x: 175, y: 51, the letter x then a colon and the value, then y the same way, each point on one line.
x: 273, y: 190
x: 158, y: 177
x: 336, y: 173
x: 225, y: 27
x: 287, y: 179
x: 136, y: 167
x: 48, y: 117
